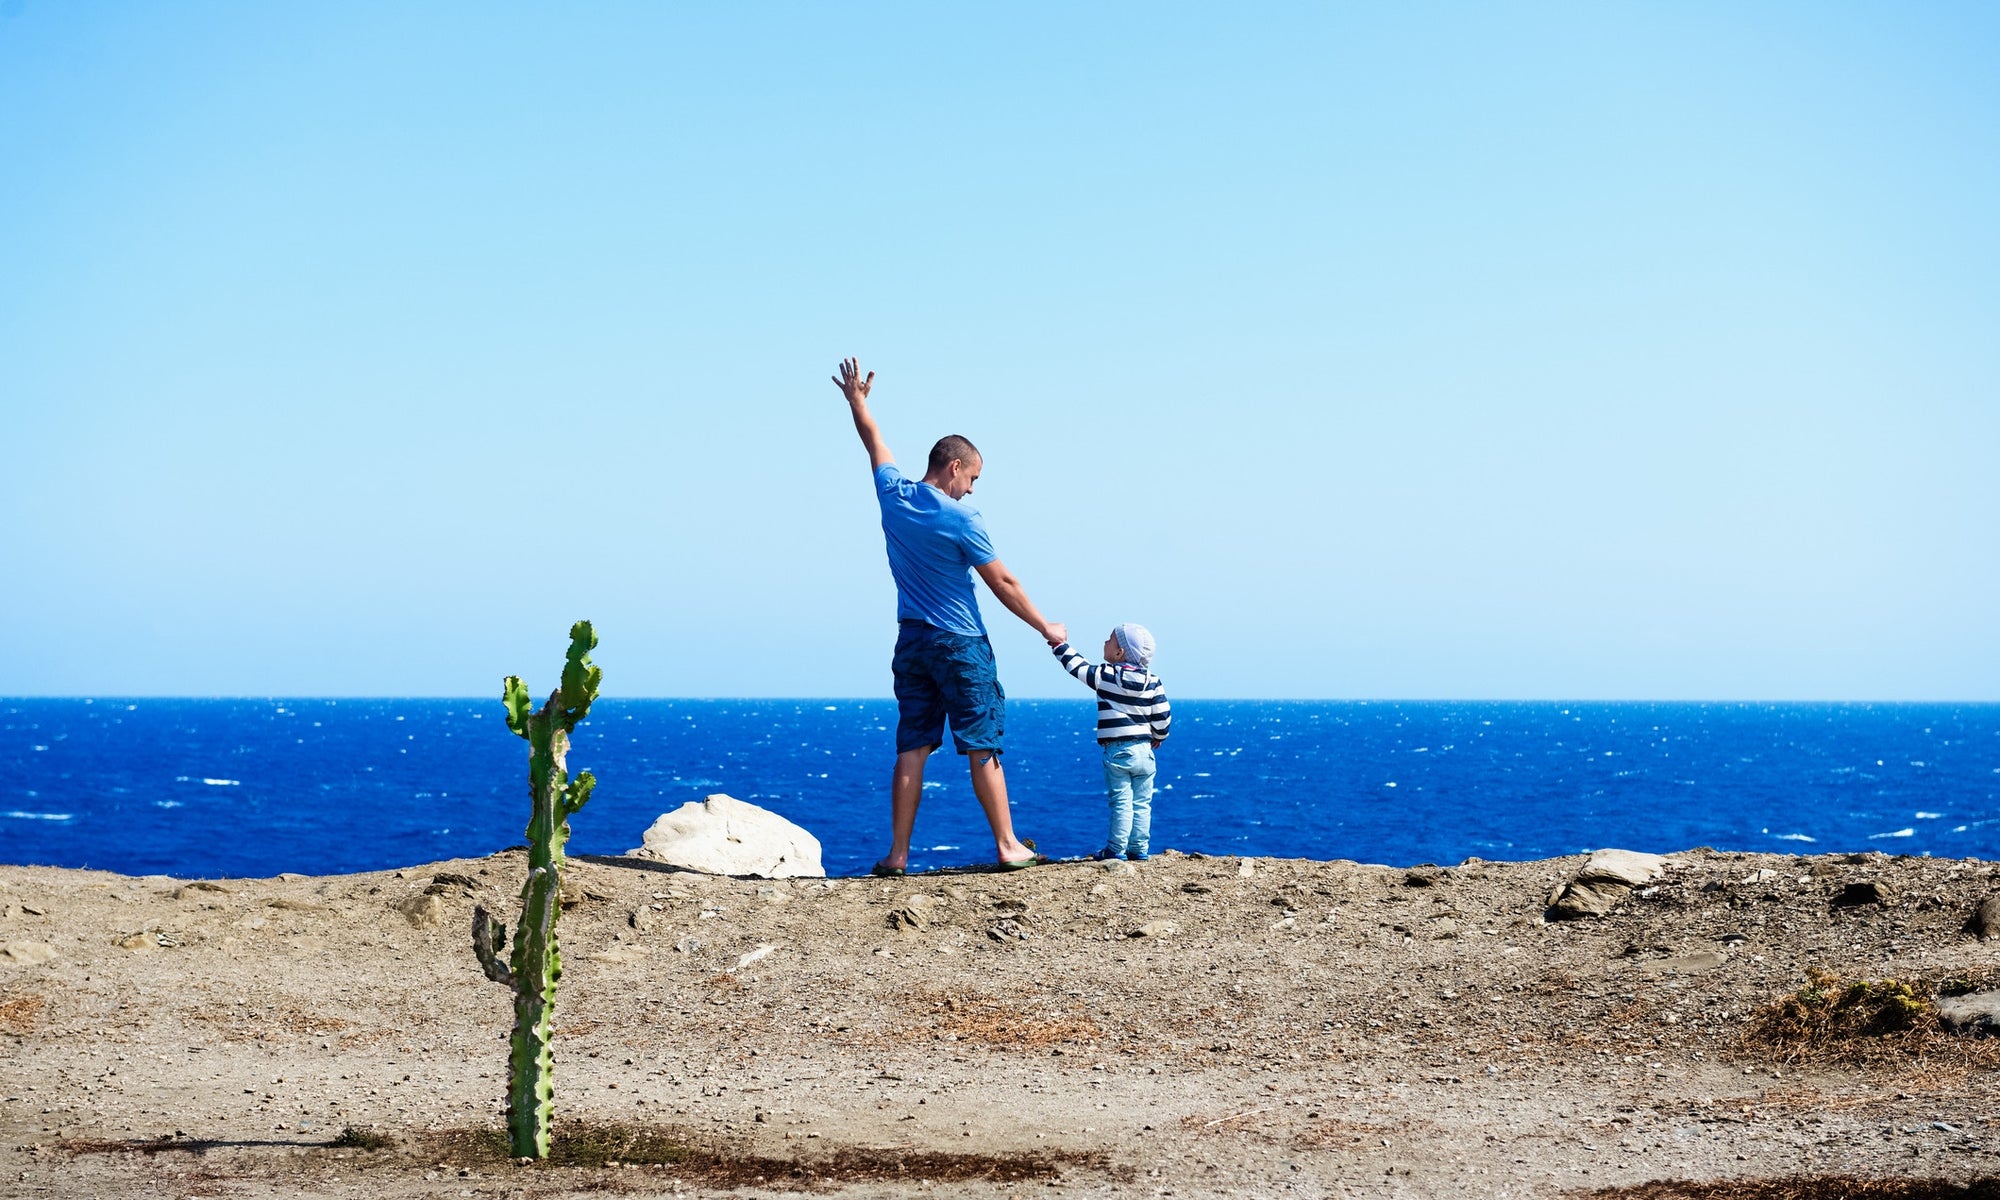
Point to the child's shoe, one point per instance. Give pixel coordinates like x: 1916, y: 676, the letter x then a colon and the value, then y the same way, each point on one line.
x: 1105, y: 855
x: 1136, y: 856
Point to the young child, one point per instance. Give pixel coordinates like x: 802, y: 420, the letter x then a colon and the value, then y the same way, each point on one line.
x: 1132, y: 721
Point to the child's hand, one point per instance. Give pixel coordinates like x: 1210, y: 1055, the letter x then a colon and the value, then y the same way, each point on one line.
x: 1057, y: 633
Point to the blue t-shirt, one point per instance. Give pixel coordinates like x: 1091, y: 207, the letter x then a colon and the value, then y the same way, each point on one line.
x: 934, y: 542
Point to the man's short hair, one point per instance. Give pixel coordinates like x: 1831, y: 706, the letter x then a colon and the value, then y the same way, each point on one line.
x: 949, y: 447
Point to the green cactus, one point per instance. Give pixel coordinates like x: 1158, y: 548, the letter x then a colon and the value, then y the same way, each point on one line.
x: 535, y: 966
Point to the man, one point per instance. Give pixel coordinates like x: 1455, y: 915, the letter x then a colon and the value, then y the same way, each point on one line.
x: 944, y: 662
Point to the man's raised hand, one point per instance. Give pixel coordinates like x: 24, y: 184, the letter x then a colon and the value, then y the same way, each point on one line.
x: 850, y: 382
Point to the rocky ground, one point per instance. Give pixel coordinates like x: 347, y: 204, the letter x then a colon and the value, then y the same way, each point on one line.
x: 1186, y: 1027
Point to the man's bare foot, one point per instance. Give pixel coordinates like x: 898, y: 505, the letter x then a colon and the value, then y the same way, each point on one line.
x: 888, y: 870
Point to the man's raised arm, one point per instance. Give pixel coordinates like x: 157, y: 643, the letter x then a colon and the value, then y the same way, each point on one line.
x: 855, y: 388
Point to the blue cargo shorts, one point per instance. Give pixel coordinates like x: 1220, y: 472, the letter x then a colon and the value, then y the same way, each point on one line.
x: 942, y: 675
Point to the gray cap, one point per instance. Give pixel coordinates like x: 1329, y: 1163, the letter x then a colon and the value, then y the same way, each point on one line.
x: 1137, y: 643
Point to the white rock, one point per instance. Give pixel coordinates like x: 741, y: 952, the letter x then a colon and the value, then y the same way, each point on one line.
x: 1977, y: 1012
x: 725, y: 836
x: 27, y: 953
x: 756, y: 955
x: 1628, y: 867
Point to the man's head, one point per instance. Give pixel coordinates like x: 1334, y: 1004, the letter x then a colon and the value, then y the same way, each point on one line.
x: 954, y: 466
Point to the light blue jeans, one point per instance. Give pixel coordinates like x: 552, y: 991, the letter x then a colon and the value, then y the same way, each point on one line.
x: 1128, y: 779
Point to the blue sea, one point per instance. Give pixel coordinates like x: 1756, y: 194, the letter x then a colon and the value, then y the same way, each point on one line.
x: 255, y: 787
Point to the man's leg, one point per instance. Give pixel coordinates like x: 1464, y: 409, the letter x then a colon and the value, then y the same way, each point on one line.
x: 989, y: 783
x: 919, y: 730
x: 906, y: 787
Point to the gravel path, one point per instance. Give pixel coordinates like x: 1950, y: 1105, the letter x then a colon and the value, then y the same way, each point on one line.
x: 1187, y: 1027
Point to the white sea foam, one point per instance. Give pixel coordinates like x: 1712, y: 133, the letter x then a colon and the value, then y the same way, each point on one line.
x: 1923, y: 816
x: 1897, y: 833
x: 18, y: 815
x: 1795, y: 837
x: 166, y: 804
x: 223, y: 782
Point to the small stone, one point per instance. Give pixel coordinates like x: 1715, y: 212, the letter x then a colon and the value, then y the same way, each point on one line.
x: 687, y: 945
x: 141, y: 942
x: 1423, y: 876
x: 642, y: 918
x: 200, y: 885
x: 1685, y: 964
x: 1985, y: 922
x: 1155, y: 929
x: 1246, y: 868
x: 423, y: 912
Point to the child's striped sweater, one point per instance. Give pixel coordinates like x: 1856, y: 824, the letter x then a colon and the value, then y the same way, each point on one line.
x: 1131, y: 703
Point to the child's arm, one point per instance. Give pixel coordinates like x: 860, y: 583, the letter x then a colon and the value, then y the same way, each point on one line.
x: 1076, y: 664
x: 1162, y: 719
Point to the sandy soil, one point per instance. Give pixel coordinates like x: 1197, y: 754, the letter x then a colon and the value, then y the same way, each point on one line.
x: 1187, y: 1027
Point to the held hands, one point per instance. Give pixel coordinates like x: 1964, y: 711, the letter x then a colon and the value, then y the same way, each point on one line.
x: 1057, y: 633
x: 850, y: 382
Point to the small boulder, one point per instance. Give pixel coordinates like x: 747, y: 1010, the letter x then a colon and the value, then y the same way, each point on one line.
x: 1867, y: 891
x: 1976, y: 1012
x: 1985, y: 922
x: 425, y: 911
x: 725, y: 836
x: 1603, y: 882
x: 27, y: 954
x: 1628, y: 867
x: 914, y: 915
x: 1155, y: 929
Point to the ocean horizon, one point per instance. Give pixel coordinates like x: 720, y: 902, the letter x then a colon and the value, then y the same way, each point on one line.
x: 258, y: 786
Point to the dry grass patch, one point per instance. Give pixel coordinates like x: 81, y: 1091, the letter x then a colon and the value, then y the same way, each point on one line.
x: 578, y: 1146
x: 1864, y: 1022
x: 1805, y: 1187
x: 241, y: 1024
x: 1020, y: 1022
x: 20, y: 1012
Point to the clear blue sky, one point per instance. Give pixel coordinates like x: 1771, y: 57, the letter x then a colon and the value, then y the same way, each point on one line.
x: 1361, y: 351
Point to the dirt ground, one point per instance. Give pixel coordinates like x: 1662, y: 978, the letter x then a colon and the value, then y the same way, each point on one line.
x: 1185, y: 1027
